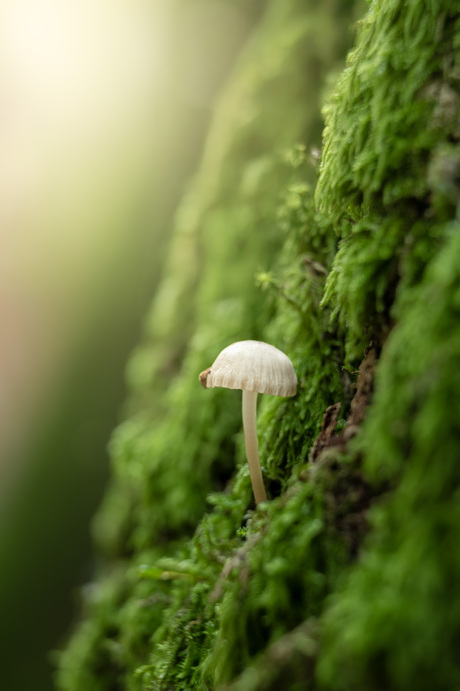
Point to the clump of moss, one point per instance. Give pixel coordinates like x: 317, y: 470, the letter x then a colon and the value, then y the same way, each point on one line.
x: 119, y: 613
x: 396, y: 621
x: 237, y: 591
x: 391, y: 188
x: 395, y: 108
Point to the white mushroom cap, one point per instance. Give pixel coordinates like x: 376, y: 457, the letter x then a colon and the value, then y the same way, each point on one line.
x: 253, y: 366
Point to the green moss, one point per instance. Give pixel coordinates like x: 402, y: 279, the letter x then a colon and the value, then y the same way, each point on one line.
x: 119, y: 614
x: 247, y: 600
x: 288, y: 663
x: 396, y: 622
x: 395, y: 106
x: 291, y: 559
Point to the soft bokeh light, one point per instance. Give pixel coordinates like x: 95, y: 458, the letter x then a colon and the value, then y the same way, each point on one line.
x: 104, y: 106
x: 77, y: 96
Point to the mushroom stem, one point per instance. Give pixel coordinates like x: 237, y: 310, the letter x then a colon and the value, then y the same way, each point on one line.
x: 252, y: 445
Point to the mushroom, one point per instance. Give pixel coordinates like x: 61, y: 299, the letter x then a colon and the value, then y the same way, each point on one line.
x: 254, y: 367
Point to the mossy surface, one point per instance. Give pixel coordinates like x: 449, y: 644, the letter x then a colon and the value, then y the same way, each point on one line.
x: 396, y: 623
x: 395, y: 277
x: 347, y: 577
x: 394, y: 110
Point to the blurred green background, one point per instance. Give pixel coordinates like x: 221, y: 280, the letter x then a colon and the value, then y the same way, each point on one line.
x: 104, y: 109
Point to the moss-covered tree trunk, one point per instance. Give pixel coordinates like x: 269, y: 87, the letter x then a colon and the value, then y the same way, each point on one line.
x: 347, y: 578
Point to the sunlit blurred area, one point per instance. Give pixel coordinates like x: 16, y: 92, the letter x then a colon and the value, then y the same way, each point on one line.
x: 104, y: 105
x: 77, y: 91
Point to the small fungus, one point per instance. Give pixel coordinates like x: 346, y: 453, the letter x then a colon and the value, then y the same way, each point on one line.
x: 254, y: 367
